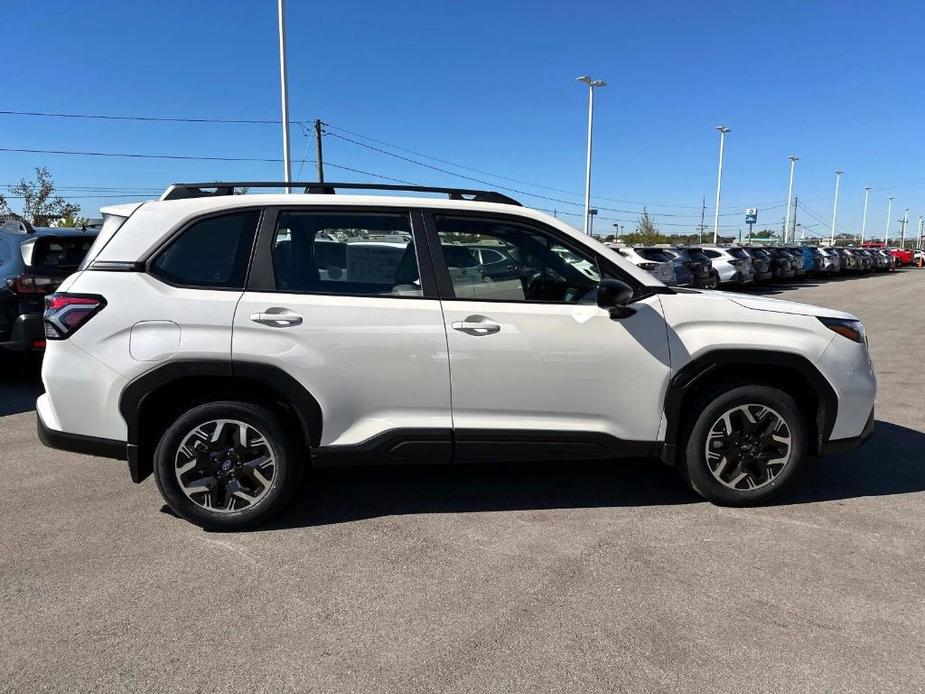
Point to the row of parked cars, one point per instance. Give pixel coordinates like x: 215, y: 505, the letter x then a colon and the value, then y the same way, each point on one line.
x: 711, y: 266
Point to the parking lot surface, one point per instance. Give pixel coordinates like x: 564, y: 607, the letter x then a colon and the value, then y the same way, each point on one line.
x: 500, y: 579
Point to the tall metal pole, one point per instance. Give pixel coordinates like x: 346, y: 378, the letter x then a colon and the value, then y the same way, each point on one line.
x: 793, y: 159
x: 284, y: 93
x: 838, y: 174
x: 905, y: 221
x: 864, y: 218
x: 319, y: 155
x: 587, y: 228
x: 719, y: 179
x: 889, y: 216
x: 919, y: 244
x: 591, y: 85
x: 703, y: 210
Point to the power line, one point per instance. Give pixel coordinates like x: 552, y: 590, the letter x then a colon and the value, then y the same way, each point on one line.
x: 301, y: 123
x: 507, y: 188
x: 499, y: 176
x: 155, y: 119
x: 185, y: 157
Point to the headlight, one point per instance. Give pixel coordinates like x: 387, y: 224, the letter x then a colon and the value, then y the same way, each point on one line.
x: 852, y: 329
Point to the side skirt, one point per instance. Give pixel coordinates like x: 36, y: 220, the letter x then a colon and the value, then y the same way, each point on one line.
x: 444, y: 446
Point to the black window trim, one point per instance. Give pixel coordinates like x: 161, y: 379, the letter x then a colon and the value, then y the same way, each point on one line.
x: 262, y: 277
x: 147, y: 262
x: 442, y: 272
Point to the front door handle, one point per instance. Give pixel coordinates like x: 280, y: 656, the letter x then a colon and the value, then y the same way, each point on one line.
x: 277, y: 317
x: 476, y: 325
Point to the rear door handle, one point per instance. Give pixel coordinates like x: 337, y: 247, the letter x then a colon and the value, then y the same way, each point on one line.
x: 277, y: 318
x: 478, y: 328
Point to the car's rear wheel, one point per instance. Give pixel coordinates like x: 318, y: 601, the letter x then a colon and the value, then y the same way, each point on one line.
x: 746, y: 444
x: 227, y: 465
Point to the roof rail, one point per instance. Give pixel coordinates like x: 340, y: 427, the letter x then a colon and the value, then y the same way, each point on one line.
x: 180, y: 191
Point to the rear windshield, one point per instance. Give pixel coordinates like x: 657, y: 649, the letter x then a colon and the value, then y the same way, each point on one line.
x: 60, y: 252
x: 737, y: 253
x: 654, y: 254
x: 697, y: 256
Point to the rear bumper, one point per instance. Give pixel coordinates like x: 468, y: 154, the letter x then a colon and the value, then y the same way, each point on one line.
x: 27, y: 330
x: 78, y: 443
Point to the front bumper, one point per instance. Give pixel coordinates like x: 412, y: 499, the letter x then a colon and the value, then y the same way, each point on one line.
x: 845, y: 445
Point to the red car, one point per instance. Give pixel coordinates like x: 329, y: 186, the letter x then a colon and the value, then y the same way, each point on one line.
x: 902, y: 256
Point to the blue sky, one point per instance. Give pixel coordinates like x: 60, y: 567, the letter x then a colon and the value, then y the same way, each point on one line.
x: 489, y: 85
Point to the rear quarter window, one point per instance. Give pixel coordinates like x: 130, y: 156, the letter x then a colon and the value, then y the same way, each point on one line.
x: 211, y: 253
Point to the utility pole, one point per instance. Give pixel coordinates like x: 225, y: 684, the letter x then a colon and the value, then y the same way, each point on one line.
x: 284, y: 93
x: 591, y: 86
x: 719, y: 179
x: 793, y: 222
x: 318, y: 154
x: 703, y: 211
x: 919, y: 242
x: 903, y: 222
x: 864, y: 222
x: 838, y: 173
x: 793, y: 160
x: 889, y: 214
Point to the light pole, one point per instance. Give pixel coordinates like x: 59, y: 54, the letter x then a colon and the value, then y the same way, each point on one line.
x: 864, y: 218
x: 591, y: 85
x: 838, y: 173
x: 719, y: 179
x: 889, y: 214
x: 284, y: 93
x: 919, y: 243
x: 793, y: 160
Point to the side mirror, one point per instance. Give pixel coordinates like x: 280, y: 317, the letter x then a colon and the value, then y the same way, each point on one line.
x: 614, y: 296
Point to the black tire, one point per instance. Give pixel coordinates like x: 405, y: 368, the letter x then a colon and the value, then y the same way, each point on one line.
x: 707, y: 411
x: 287, y: 467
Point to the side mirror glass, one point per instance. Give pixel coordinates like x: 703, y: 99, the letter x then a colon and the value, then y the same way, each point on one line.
x: 614, y: 296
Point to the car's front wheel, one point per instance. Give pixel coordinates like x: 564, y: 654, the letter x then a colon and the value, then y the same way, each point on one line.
x: 227, y: 465
x: 745, y: 445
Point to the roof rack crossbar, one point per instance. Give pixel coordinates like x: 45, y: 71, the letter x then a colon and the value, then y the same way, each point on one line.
x: 180, y: 191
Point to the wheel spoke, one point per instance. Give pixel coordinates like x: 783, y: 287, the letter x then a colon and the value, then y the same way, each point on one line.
x: 212, y: 452
x: 748, y: 446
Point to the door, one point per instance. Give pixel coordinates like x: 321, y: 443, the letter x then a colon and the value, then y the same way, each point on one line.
x: 337, y: 297
x: 537, y: 368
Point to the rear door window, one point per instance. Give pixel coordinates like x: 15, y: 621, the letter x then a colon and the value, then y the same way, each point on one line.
x: 352, y: 253
x: 737, y: 253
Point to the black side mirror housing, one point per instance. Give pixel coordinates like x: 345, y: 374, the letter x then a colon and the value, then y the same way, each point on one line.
x: 614, y: 296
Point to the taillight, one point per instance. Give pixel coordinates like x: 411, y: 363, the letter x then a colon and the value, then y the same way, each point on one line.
x: 648, y: 266
x: 735, y: 262
x: 65, y: 313
x: 32, y: 284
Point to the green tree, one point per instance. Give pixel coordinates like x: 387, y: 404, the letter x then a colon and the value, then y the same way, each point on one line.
x: 40, y: 205
x: 71, y: 221
x: 647, y: 234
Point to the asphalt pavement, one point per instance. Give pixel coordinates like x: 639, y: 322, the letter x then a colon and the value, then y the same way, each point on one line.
x: 552, y: 578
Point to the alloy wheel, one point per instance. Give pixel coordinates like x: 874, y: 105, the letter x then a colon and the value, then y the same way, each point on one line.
x: 225, y: 465
x: 748, y: 446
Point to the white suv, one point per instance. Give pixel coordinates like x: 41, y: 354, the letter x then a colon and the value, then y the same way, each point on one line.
x: 226, y: 342
x: 732, y: 263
